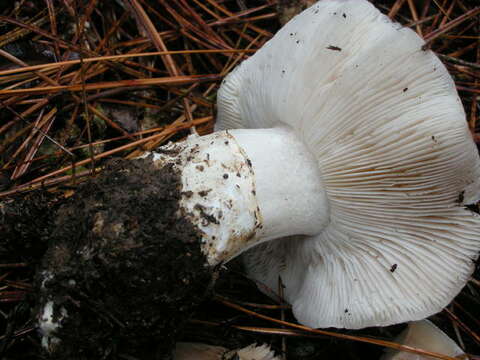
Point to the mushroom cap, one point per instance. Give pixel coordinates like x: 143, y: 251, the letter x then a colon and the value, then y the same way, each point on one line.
x: 384, y: 120
x: 256, y: 352
x: 423, y: 335
x: 199, y: 351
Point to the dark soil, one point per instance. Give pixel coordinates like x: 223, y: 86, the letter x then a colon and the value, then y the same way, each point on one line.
x: 26, y: 224
x: 128, y: 271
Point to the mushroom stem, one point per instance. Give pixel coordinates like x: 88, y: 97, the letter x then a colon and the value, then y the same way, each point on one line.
x: 288, y: 182
x: 155, y: 224
x: 243, y: 187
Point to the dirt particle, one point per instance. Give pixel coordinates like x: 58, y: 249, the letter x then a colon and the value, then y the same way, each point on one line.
x: 225, y: 176
x: 344, y: 15
x: 405, y: 89
x: 204, y: 193
x: 473, y: 207
x: 172, y: 152
x: 199, y: 207
x: 393, y: 268
x: 188, y: 194
x: 199, y: 167
x: 334, y: 48
x: 206, y: 218
x: 460, y: 197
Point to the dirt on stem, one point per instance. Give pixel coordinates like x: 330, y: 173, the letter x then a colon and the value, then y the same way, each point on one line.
x: 123, y: 265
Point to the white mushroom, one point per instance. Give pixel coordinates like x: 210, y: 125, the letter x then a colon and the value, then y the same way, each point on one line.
x: 357, y: 142
x: 350, y: 163
x: 383, y: 120
x: 254, y: 352
x: 199, y: 351
x: 423, y: 335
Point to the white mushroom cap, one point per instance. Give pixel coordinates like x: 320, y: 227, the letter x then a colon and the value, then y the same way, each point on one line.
x: 423, y: 335
x: 199, y: 351
x: 383, y: 119
x: 256, y: 352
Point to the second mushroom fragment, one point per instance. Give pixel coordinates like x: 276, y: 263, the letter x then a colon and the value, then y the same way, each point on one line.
x: 343, y: 164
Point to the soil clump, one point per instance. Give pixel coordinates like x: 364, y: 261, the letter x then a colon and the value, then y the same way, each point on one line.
x: 123, y: 269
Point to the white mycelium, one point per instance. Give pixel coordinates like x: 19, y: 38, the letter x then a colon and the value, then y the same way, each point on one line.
x: 50, y: 319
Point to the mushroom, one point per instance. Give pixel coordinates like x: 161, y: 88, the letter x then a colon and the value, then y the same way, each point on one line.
x: 199, y: 351
x: 382, y: 119
x: 342, y: 162
x: 423, y: 335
